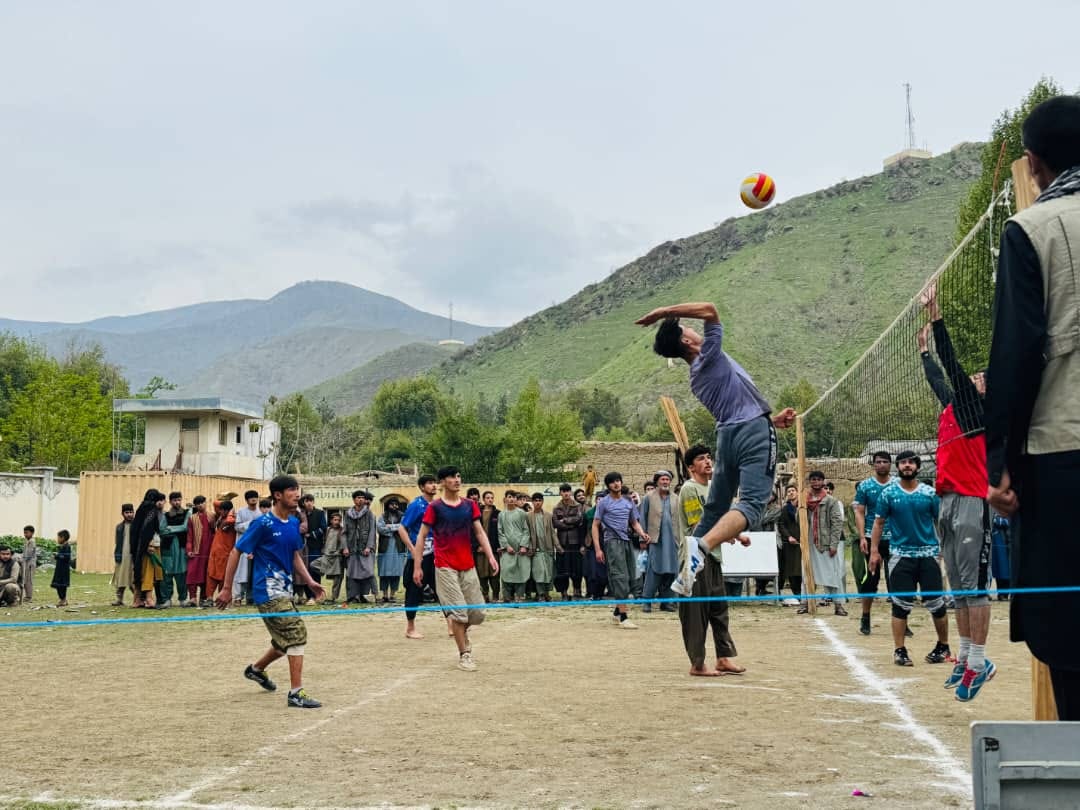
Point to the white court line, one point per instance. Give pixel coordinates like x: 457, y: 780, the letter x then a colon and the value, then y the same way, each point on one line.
x: 957, y: 776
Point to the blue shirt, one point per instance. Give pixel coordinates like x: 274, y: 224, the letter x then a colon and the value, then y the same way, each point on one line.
x: 414, y: 519
x: 273, y: 542
x: 866, y: 496
x: 722, y: 385
x: 615, y: 516
x: 911, y: 516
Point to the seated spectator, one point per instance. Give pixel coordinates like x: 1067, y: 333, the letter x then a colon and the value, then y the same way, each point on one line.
x: 10, y: 578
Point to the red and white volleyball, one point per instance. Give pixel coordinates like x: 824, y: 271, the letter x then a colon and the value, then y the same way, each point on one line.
x: 758, y: 190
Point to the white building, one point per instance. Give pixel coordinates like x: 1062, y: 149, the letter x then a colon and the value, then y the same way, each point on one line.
x: 204, y: 436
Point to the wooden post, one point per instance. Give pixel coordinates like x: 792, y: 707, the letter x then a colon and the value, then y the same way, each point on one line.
x: 804, y: 524
x: 678, y: 430
x: 1042, y: 690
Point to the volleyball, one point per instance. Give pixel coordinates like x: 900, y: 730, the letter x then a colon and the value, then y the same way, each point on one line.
x: 758, y: 190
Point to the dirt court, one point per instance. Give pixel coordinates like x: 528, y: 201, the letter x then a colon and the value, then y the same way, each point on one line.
x: 566, y: 710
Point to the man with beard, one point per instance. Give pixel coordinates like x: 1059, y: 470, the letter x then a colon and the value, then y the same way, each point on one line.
x: 568, y: 517
x: 173, y: 534
x: 911, y: 509
x: 865, y: 505
x: 826, y: 521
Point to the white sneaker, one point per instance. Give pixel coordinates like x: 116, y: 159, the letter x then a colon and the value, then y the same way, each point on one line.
x: 791, y: 602
x: 628, y: 625
x: 466, y: 662
x: 615, y: 620
x: 684, y: 582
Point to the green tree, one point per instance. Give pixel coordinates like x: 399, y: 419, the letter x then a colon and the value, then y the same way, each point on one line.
x: 818, y: 427
x: 60, y: 419
x: 461, y: 438
x: 596, y: 409
x: 153, y: 385
x: 20, y: 361
x: 89, y: 360
x: 540, y: 440
x: 301, y: 427
x: 406, y: 404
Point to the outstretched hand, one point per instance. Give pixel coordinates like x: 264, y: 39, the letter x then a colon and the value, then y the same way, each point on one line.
x: 928, y: 300
x: 784, y: 419
x: 650, y: 318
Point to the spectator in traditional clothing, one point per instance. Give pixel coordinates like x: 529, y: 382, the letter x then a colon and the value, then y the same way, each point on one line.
x: 659, y: 516
x: 244, y: 517
x: 173, y: 534
x: 10, y: 574
x: 489, y: 521
x: 826, y: 533
x: 29, y: 562
x: 200, y: 537
x: 146, y: 549
x: 315, y: 520
x: 121, y: 578
x: 61, y: 580
x: 545, y: 545
x: 568, y: 517
x: 790, y: 552
x: 360, y: 544
x: 330, y: 562
x: 588, y: 481
x: 391, y: 551
x: 514, y: 538
x: 224, y: 541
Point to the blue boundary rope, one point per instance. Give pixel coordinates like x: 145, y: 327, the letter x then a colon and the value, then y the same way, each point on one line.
x: 220, y: 615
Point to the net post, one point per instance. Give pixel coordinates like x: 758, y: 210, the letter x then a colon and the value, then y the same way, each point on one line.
x: 804, y: 524
x: 1042, y: 690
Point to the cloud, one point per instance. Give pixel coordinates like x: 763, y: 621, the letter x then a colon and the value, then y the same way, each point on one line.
x: 498, y: 253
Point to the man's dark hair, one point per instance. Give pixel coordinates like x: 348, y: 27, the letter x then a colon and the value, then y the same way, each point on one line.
x: 882, y: 454
x: 693, y: 452
x: 264, y: 503
x: 472, y: 491
x: 198, y: 499
x: 174, y: 495
x: 358, y: 494
x: 1052, y: 131
x: 668, y: 341
x: 30, y: 529
x: 579, y: 489
x: 5, y: 548
x: 251, y: 493
x: 488, y: 492
x: 611, y: 478
x: 564, y: 487
x: 282, y: 483
x: 829, y: 485
x: 308, y: 498
x: 426, y: 478
x: 449, y: 471
x: 509, y: 494
x: 127, y: 507
x: 538, y: 496
x: 817, y: 474
x: 226, y: 506
x: 904, y: 455
x: 64, y: 533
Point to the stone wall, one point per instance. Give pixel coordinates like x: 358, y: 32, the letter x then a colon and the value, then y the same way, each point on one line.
x: 637, y: 461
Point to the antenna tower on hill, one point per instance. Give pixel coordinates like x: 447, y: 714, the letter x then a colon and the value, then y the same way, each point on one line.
x: 450, y: 341
x: 910, y: 150
x: 910, y: 118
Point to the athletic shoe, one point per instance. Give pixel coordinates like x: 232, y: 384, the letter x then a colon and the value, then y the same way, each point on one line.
x: 628, y: 625
x: 864, y: 625
x: 939, y: 655
x: 839, y: 610
x: 300, y: 700
x: 973, y: 681
x: 955, y: 676
x: 791, y: 603
x: 684, y: 582
x: 466, y: 662
x: 260, y: 677
x: 615, y: 621
x: 901, y: 658
x: 803, y: 610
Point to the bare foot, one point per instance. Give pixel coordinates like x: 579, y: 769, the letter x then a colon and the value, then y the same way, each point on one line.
x: 702, y: 672
x: 413, y: 634
x: 725, y: 666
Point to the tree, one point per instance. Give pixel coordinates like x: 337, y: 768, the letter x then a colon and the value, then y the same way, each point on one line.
x: 461, y: 438
x: 406, y: 404
x: 818, y: 427
x: 153, y: 385
x: 89, y: 360
x: 60, y: 419
x: 20, y: 361
x: 300, y: 428
x: 540, y: 441
x: 596, y: 409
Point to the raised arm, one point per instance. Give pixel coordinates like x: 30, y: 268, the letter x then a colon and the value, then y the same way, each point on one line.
x: 701, y: 310
x: 933, y: 373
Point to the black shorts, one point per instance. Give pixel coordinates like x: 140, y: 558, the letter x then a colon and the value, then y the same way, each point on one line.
x: 910, y: 574
x: 870, y: 581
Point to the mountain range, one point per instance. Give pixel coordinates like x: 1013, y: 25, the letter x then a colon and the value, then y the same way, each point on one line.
x: 234, y: 347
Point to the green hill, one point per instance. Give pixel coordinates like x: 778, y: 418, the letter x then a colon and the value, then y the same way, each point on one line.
x: 803, y: 288
x: 355, y: 389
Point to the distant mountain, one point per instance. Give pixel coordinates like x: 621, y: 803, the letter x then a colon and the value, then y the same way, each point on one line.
x: 354, y: 390
x: 803, y: 288
x: 235, y: 347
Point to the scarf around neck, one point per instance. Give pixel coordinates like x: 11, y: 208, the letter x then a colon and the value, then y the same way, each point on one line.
x: 355, y: 513
x: 1066, y: 183
x: 812, y: 503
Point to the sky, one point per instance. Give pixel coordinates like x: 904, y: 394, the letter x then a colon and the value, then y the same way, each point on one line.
x: 500, y: 155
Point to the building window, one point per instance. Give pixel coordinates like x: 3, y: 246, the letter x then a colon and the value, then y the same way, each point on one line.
x: 239, y: 434
x: 222, y: 432
x: 189, y: 424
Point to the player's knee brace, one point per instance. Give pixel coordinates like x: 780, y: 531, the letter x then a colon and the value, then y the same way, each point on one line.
x: 900, y: 612
x: 940, y: 612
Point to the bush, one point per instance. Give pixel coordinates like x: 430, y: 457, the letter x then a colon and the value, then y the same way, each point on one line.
x: 46, y: 548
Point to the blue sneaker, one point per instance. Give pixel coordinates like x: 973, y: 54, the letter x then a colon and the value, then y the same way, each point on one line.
x: 973, y: 681
x: 956, y: 676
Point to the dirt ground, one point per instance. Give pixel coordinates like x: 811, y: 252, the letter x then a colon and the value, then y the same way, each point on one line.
x: 566, y: 710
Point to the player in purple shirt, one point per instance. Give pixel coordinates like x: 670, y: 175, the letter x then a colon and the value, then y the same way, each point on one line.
x: 745, y: 459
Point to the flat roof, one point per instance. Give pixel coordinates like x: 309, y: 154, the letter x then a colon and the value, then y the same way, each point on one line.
x: 204, y: 404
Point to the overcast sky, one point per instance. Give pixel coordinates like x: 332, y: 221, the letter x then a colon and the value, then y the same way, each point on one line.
x: 499, y: 154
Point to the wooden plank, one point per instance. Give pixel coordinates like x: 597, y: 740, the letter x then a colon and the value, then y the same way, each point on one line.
x: 804, y: 524
x: 678, y: 429
x: 1042, y: 689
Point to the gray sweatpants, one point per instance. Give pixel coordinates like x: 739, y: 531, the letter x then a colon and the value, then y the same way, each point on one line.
x: 964, y: 526
x: 745, y: 462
